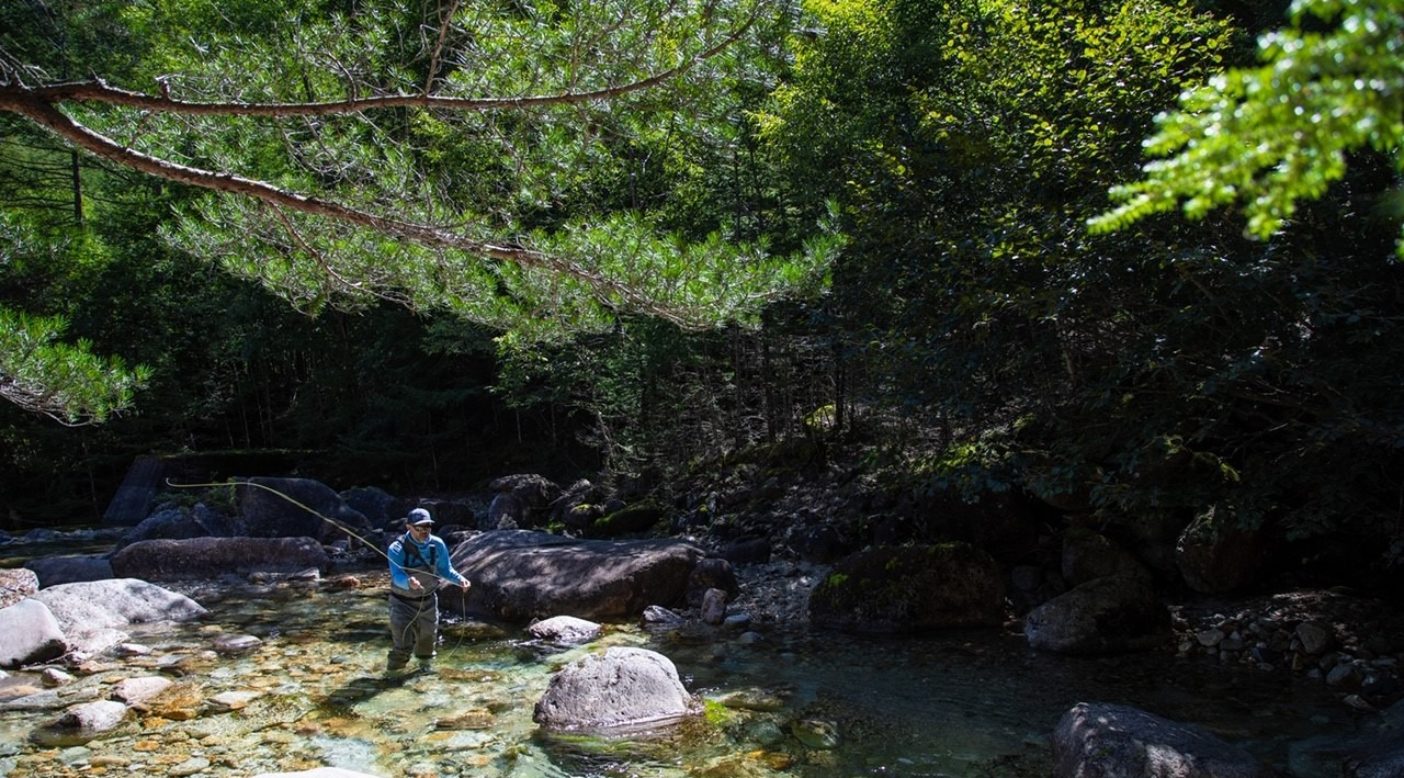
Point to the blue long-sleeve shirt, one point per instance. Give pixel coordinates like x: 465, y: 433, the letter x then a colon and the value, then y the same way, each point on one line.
x: 430, y: 557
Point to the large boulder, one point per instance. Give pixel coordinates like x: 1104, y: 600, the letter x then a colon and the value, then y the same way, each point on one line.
x: 627, y: 520
x: 625, y: 688
x: 93, y: 613
x: 711, y: 573
x: 55, y: 570
x: 167, y: 560
x: 520, y: 501
x: 506, y: 511
x: 1216, y: 556
x: 29, y: 633
x: 174, y: 522
x: 376, y: 504
x: 907, y: 589
x: 1088, y: 555
x: 580, y: 504
x: 519, y: 575
x: 1099, y: 740
x: 1103, y: 616
x: 291, y: 508
x: 1381, y: 754
x: 16, y: 584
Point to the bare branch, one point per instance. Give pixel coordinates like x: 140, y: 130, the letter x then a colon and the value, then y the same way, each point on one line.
x: 444, y: 22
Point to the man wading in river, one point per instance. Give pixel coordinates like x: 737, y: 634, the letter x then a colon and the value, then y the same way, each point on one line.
x: 418, y: 562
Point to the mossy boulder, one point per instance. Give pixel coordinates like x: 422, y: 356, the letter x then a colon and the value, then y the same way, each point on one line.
x: 626, y: 521
x: 910, y: 589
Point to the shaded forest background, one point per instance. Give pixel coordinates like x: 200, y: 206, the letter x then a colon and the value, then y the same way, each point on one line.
x: 974, y: 338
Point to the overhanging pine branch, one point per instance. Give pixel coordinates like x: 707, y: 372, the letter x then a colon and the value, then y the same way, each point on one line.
x: 19, y: 100
x: 99, y: 91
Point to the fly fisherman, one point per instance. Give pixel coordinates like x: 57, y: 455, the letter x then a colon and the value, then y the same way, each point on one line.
x: 419, y: 560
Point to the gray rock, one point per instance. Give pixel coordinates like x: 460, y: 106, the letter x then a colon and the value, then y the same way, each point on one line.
x: 1382, y: 757
x: 1344, y: 675
x: 236, y: 644
x: 170, y: 523
x: 45, y: 700
x: 16, y: 584
x: 565, y: 630
x: 29, y: 633
x: 1106, y: 615
x: 1210, y: 638
x: 135, y: 691
x: 52, y: 677
x: 521, y: 501
x: 376, y: 504
x: 625, y: 688
x: 1315, y: 636
x: 92, y: 613
x: 579, y: 505
x: 519, y: 575
x: 506, y: 511
x: 91, y: 718
x: 711, y: 573
x: 657, y: 614
x: 293, y: 508
x: 714, y: 606
x: 55, y: 570
x: 1100, y: 739
x: 209, y: 557
x: 235, y: 700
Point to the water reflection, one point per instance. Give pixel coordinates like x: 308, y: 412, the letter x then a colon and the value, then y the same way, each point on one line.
x: 811, y: 706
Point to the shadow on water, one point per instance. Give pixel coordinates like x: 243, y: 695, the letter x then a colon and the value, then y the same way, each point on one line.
x: 342, y: 701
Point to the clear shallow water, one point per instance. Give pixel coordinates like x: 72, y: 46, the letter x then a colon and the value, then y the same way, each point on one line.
x: 960, y: 704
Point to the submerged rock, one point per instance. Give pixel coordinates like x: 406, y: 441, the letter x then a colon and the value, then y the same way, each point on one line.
x: 89, y: 719
x: 136, y: 691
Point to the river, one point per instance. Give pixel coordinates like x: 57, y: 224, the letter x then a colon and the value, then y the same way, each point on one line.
x: 958, y: 704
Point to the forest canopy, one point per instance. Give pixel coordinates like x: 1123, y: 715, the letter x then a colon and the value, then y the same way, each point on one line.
x: 653, y: 197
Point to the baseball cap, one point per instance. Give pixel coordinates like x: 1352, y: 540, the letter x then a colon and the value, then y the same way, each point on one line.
x: 419, y: 517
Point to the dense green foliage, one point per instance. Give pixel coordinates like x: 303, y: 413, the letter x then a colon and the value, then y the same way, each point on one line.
x: 973, y: 332
x: 1144, y: 374
x: 1270, y: 136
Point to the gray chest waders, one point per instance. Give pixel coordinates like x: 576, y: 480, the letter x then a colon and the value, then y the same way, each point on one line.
x: 414, y: 615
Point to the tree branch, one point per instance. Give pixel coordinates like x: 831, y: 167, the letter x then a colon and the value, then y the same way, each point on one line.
x: 22, y: 101
x: 99, y: 91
